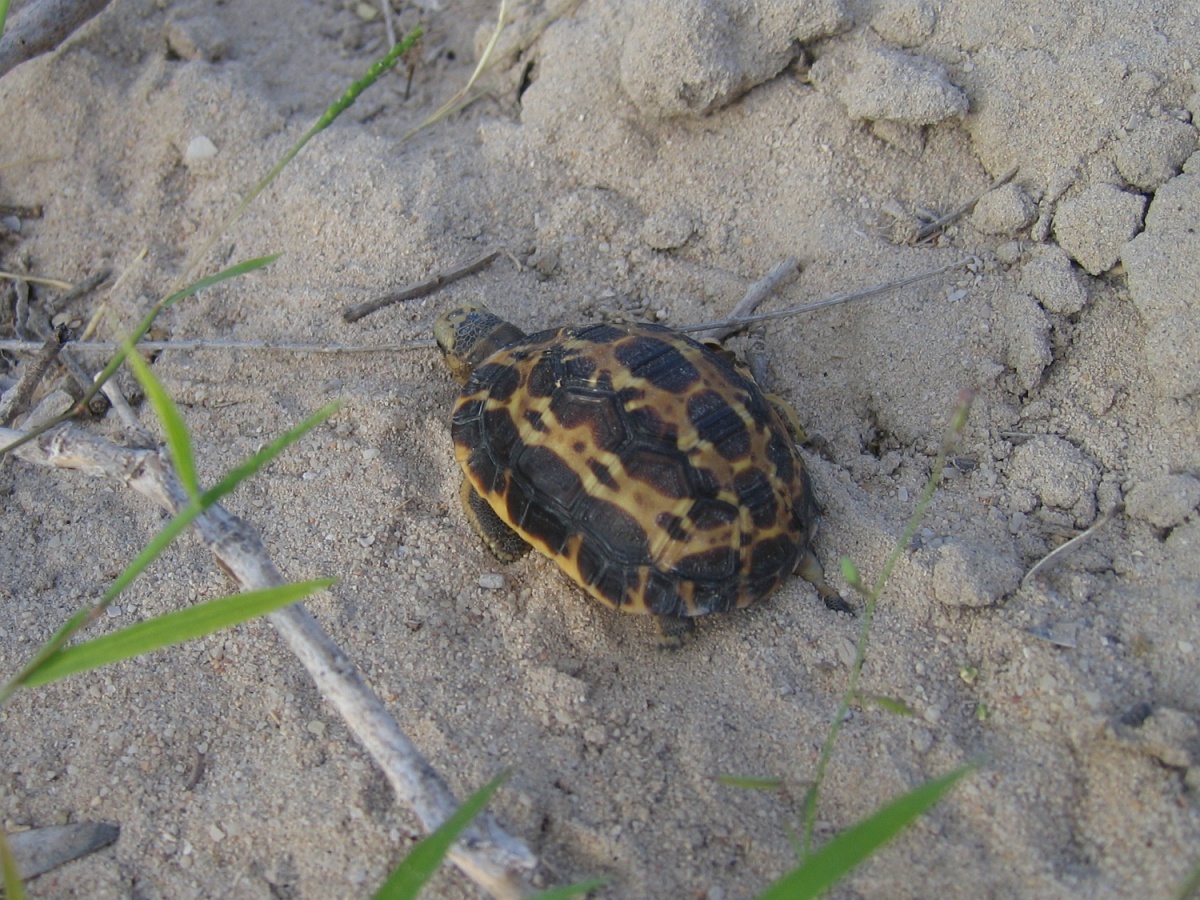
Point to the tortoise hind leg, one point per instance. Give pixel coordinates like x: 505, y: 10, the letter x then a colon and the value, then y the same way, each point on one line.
x: 674, y: 630
x: 811, y: 571
x: 504, y: 543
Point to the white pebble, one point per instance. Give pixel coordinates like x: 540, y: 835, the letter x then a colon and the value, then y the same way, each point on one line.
x: 493, y: 581
x: 199, y: 149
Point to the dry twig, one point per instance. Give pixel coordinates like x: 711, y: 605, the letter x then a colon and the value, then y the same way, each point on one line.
x: 937, y: 225
x: 495, y: 860
x: 41, y: 27
x: 757, y: 293
x: 421, y: 289
x: 15, y: 400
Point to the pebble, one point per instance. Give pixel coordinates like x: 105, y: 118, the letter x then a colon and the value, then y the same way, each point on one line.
x: 1163, y: 266
x: 889, y: 84
x: 905, y: 23
x: 493, y: 581
x: 690, y: 57
x: 1165, y: 501
x: 1057, y: 473
x: 1154, y: 152
x: 199, y: 149
x: 968, y: 575
x: 1053, y: 281
x: 1095, y: 226
x: 668, y: 229
x: 1026, y: 333
x: 1006, y: 210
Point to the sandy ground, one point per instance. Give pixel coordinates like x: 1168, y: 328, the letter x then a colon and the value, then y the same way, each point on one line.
x: 639, y: 160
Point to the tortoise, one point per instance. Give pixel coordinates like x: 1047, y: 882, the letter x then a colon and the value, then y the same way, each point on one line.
x: 657, y: 475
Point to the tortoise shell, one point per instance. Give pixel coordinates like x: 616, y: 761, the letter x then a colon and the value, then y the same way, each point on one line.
x: 649, y: 468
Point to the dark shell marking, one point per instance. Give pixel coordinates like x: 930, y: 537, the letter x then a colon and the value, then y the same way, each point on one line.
x: 646, y: 466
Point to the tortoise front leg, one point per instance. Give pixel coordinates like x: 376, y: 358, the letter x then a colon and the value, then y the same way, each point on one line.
x: 504, y: 543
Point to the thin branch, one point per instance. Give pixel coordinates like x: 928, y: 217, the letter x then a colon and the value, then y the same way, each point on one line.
x: 33, y: 279
x: 84, y: 287
x: 497, y: 861
x: 928, y: 231
x: 829, y: 301
x: 41, y: 27
x: 783, y: 273
x: 17, y: 399
x: 421, y: 289
x: 15, y: 346
x: 1070, y: 545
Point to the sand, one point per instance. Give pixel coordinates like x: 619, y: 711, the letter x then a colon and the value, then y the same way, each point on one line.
x: 638, y: 161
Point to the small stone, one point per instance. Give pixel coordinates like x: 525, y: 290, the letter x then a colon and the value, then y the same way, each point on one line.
x: 1165, y: 501
x: 1009, y: 253
x: 1155, y: 152
x: 215, y: 834
x: 595, y: 735
x: 1006, y: 210
x: 1026, y: 333
x: 1050, y: 277
x: 316, y: 727
x: 888, y: 84
x: 969, y: 575
x: 690, y: 57
x: 199, y: 148
x: 493, y: 581
x: 1164, y: 268
x: 1169, y: 735
x: 1057, y: 473
x: 669, y: 228
x: 1183, y: 543
x: 198, y: 38
x: 1095, y: 226
x: 905, y: 23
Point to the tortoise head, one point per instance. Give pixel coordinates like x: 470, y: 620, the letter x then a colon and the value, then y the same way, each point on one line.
x: 469, y: 335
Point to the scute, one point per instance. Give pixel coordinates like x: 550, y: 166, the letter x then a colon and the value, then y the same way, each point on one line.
x: 655, y: 474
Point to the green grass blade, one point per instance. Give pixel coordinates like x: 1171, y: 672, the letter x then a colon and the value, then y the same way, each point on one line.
x: 749, y: 783
x: 571, y: 890
x: 179, y: 442
x: 159, y: 543
x: 235, y: 271
x: 418, y: 867
x: 3, y: 19
x: 823, y: 868
x: 887, y: 704
x: 244, y: 470
x: 1190, y: 888
x: 81, y: 618
x: 143, y: 326
x: 172, y: 628
x: 13, y: 888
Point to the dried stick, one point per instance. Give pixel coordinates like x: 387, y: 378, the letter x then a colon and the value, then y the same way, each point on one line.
x: 758, y: 292
x: 740, y: 322
x: 928, y: 231
x: 500, y: 863
x: 441, y: 279
x: 732, y: 323
x: 14, y: 401
x: 42, y: 26
x: 109, y: 347
x: 86, y: 286
x: 1070, y: 545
